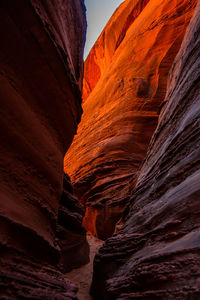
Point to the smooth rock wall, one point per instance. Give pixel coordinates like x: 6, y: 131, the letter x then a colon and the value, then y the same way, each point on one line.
x: 41, y: 72
x: 108, y: 42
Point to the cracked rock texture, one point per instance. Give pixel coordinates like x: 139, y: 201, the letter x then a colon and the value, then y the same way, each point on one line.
x: 41, y: 72
x: 125, y: 83
x: 155, y: 254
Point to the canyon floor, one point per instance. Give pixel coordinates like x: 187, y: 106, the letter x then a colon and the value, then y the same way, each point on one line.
x: 82, y: 277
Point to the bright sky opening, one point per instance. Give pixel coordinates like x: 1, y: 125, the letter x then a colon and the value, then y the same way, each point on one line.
x: 98, y: 14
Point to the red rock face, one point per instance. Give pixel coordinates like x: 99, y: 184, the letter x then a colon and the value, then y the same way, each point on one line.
x: 125, y: 78
x: 108, y: 42
x: 155, y: 255
x: 40, y: 80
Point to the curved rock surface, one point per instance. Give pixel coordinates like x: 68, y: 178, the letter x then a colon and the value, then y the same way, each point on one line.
x: 120, y: 115
x: 155, y: 255
x: 41, y: 72
x: 108, y: 42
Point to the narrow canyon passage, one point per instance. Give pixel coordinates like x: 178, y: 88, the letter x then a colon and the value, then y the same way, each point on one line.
x: 123, y: 100
x: 82, y: 277
x: 120, y: 218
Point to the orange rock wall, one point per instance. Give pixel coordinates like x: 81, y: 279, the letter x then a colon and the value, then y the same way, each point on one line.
x: 155, y: 255
x: 105, y: 47
x: 121, y: 112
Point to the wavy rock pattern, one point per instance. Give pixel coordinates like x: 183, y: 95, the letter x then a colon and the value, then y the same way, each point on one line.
x: 120, y: 114
x: 155, y: 255
x: 41, y: 72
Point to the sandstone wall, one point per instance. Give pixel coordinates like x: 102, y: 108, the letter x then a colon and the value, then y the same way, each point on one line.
x: 120, y: 114
x: 41, y: 71
x: 108, y: 42
x: 155, y: 255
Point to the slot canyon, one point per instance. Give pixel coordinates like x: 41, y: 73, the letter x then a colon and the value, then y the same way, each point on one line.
x: 100, y: 160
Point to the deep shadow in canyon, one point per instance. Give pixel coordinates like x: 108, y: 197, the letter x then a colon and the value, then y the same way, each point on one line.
x: 132, y: 169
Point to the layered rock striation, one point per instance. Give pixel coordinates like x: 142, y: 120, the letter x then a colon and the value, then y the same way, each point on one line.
x: 155, y: 255
x: 41, y: 72
x: 126, y: 72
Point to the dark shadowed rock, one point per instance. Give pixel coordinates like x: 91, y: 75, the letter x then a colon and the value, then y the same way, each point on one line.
x: 155, y: 255
x: 71, y: 234
x: 41, y: 72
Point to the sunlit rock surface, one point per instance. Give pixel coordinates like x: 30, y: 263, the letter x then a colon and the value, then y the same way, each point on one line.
x: 127, y: 72
x: 108, y: 42
x: 41, y: 72
x: 155, y: 255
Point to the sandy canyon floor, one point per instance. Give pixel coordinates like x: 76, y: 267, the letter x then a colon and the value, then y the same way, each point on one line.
x: 82, y: 277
